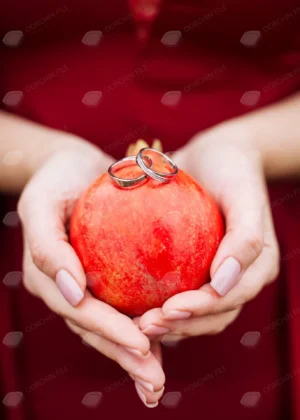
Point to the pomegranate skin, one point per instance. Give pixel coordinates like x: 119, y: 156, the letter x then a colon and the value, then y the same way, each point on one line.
x: 140, y: 246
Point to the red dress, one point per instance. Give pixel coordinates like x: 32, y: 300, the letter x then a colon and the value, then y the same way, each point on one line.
x: 79, y: 67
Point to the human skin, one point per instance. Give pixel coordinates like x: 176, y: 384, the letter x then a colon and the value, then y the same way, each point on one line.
x: 261, y: 144
x: 48, y: 174
x: 232, y: 161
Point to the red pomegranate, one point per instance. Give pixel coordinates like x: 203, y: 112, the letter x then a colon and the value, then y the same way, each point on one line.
x: 139, y: 246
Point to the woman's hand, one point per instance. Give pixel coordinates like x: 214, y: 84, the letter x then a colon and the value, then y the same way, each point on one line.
x: 53, y: 272
x: 227, y: 162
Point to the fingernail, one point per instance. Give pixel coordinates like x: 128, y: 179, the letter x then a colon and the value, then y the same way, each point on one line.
x: 147, y: 385
x: 226, y: 276
x: 137, y: 352
x: 155, y: 330
x: 143, y: 396
x: 175, y: 314
x: 68, y: 287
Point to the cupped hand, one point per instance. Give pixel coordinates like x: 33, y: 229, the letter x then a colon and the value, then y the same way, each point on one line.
x: 53, y: 272
x: 226, y: 161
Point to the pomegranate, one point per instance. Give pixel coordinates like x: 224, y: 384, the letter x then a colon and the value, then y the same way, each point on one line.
x: 141, y: 245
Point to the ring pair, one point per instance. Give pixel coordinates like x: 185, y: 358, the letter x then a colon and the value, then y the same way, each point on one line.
x: 140, y: 160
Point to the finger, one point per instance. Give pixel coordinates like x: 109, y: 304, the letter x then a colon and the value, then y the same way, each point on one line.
x: 133, y: 149
x: 91, y: 314
x: 149, y: 398
x: 156, y: 144
x: 148, y: 325
x: 204, y: 325
x: 207, y: 301
x: 203, y: 301
x: 146, y: 369
x: 243, y: 204
x: 156, y: 350
x: 263, y: 270
x: 44, y: 226
x: 194, y: 302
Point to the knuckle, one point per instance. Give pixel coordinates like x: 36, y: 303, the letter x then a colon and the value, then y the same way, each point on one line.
x: 39, y: 256
x: 255, y: 243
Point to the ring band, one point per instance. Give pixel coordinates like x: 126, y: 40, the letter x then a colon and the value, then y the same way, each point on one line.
x: 125, y: 183
x: 158, y: 176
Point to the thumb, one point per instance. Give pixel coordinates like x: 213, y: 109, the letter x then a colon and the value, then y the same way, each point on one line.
x: 243, y: 204
x: 44, y: 229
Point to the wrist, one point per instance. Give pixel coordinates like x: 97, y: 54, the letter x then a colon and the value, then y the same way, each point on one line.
x: 233, y: 135
x: 56, y: 142
x: 25, y: 146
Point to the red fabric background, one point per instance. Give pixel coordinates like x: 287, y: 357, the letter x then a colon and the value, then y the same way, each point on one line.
x: 125, y: 112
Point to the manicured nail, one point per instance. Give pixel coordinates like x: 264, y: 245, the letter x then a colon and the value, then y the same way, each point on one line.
x: 226, y: 276
x: 143, y: 396
x: 155, y: 330
x: 137, y: 352
x: 175, y: 314
x: 147, y: 385
x: 69, y: 287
